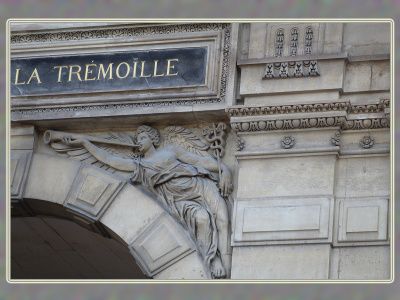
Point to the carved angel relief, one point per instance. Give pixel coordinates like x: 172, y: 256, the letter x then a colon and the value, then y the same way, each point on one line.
x: 177, y: 170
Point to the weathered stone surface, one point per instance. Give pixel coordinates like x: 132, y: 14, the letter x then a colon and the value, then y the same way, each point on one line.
x: 361, y: 263
x: 281, y: 262
x: 50, y: 178
x: 363, y: 177
x: 292, y: 176
x: 366, y: 38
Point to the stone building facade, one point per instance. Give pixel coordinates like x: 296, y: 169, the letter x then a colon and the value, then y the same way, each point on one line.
x: 289, y: 121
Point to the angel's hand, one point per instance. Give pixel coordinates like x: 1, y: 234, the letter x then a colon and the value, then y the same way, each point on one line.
x: 78, y: 142
x: 225, y: 184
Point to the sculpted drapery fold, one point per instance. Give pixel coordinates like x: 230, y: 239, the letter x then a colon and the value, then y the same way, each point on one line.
x: 181, y: 178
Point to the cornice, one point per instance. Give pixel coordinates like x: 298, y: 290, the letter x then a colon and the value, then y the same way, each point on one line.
x: 310, y: 115
x: 344, y: 105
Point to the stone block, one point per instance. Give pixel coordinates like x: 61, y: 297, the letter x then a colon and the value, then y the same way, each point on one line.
x: 23, y: 138
x: 303, y: 97
x: 160, y: 245
x: 362, y: 38
x: 364, y: 220
x: 363, y: 177
x: 286, y: 176
x: 381, y: 76
x: 20, y: 162
x: 188, y: 268
x: 130, y: 213
x: 333, y: 37
x: 361, y: 263
x: 281, y: 262
x: 258, y: 34
x: 289, y: 221
x: 305, y: 141
x: 50, y: 178
x: 357, y: 77
x: 351, y: 139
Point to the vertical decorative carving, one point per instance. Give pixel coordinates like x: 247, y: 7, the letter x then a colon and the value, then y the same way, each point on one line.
x: 336, y: 139
x: 240, y: 144
x: 309, y: 35
x: 313, y: 68
x: 294, y: 41
x: 298, y: 69
x: 269, y: 72
x: 279, y: 39
x: 284, y: 70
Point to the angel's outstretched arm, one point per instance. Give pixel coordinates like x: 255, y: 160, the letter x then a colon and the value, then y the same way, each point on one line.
x: 102, y: 155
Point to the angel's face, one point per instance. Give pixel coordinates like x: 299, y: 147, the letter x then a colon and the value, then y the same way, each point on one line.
x: 144, y: 142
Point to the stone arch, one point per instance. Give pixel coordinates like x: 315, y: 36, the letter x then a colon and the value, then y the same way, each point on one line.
x: 105, y: 203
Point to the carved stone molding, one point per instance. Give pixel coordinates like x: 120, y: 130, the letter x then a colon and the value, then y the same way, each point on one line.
x: 114, y: 33
x: 260, y: 118
x: 291, y: 69
x: 302, y: 123
x: 370, y: 123
x: 216, y: 94
x: 115, y: 106
x: 237, y: 111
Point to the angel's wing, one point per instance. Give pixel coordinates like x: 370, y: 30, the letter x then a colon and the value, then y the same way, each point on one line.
x: 176, y: 135
x: 80, y: 153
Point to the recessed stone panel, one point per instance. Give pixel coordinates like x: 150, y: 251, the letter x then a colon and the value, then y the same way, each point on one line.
x: 368, y: 222
x: 276, y: 221
x: 160, y: 245
x: 364, y: 220
x: 92, y: 191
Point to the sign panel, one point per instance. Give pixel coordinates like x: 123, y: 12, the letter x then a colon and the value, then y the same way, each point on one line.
x: 120, y: 71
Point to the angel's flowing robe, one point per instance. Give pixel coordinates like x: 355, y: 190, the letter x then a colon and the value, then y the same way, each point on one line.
x: 184, y: 191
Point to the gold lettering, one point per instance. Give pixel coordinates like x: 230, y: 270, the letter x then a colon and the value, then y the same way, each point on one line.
x: 127, y: 70
x: 89, y: 72
x: 155, y: 69
x: 36, y: 76
x: 141, y: 74
x: 134, y: 67
x: 101, y: 68
x: 74, y: 72
x: 16, y: 78
x: 171, y: 67
x: 59, y: 71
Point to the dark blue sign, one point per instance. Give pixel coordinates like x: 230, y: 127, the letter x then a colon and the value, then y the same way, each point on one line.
x: 109, y: 72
